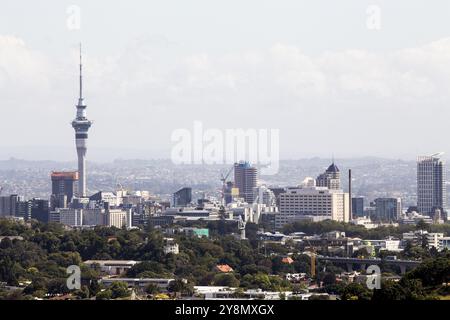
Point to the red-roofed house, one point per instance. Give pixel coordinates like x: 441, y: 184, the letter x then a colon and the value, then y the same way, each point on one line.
x: 224, y: 268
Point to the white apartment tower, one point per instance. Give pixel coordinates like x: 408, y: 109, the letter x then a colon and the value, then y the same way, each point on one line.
x: 431, y: 190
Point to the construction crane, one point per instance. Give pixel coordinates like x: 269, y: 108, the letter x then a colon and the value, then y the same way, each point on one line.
x: 313, y: 256
x: 224, y: 178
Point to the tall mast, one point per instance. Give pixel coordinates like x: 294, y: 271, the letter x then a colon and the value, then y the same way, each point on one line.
x: 81, y: 76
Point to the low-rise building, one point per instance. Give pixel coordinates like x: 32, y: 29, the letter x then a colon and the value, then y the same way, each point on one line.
x: 141, y: 283
x: 418, y: 237
x: 170, y: 246
x: 111, y: 267
x: 11, y: 238
x: 444, y: 243
x: 224, y: 268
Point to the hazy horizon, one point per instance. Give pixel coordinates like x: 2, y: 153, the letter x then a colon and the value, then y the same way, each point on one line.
x: 105, y: 156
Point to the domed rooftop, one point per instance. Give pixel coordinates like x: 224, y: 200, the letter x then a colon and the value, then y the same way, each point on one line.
x: 333, y: 168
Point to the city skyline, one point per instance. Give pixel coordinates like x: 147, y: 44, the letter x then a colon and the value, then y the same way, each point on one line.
x: 244, y: 152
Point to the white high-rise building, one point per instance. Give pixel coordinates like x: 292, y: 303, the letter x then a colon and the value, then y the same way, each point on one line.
x: 118, y: 218
x: 431, y: 189
x: 246, y: 180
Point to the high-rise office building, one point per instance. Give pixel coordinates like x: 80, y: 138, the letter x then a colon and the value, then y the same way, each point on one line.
x: 331, y: 178
x: 358, y: 207
x: 431, y: 190
x: 81, y: 125
x: 64, y: 188
x: 388, y: 209
x: 182, y: 197
x: 246, y: 179
x: 40, y: 210
x: 24, y: 209
x: 9, y: 205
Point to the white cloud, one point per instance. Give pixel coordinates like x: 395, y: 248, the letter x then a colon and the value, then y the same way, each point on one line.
x: 22, y: 68
x: 142, y: 83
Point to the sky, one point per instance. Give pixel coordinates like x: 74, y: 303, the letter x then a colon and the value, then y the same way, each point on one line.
x: 347, y: 78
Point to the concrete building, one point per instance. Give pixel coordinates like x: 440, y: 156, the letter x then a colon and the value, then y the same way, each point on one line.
x: 418, y: 237
x: 245, y: 179
x: 111, y: 267
x: 265, y: 195
x: 71, y: 217
x: 24, y: 209
x: 388, y: 209
x: 118, y: 218
x: 64, y: 188
x: 182, y: 197
x: 142, y: 283
x: 433, y: 239
x: 431, y: 189
x: 317, y: 203
x: 281, y: 219
x: 9, y: 205
x: 330, y: 179
x: 111, y: 198
x: 170, y: 246
x: 94, y: 217
x: 412, y: 218
x: 444, y: 243
x: 40, y: 209
x: 366, y: 222
x: 358, y: 207
x: 384, y: 244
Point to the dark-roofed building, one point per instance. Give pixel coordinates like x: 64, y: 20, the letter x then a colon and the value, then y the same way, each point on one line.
x: 331, y: 178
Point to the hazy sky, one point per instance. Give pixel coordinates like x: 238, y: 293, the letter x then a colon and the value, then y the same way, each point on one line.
x: 313, y: 69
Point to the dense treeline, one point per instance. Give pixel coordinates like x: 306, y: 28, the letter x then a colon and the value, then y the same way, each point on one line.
x: 47, y: 250
x: 429, y: 281
x: 351, y: 230
x: 39, y: 261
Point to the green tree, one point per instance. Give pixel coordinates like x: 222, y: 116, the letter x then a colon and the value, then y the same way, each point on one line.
x: 181, y: 286
x: 119, y: 289
x: 356, y: 291
x: 104, y: 295
x: 226, y: 279
x: 152, y: 289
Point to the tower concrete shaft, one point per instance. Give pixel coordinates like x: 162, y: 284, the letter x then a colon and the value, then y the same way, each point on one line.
x: 81, y: 125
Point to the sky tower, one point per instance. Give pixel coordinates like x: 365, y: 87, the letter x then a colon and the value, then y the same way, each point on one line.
x: 81, y: 124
